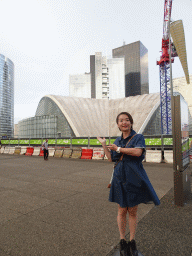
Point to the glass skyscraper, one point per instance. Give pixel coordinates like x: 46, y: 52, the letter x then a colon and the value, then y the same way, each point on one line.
x: 136, y: 68
x: 6, y: 97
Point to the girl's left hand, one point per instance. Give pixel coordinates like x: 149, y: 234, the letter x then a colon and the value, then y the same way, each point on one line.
x: 112, y: 147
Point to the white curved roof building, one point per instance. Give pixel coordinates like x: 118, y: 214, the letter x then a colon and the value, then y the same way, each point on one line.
x: 180, y: 85
x: 82, y: 117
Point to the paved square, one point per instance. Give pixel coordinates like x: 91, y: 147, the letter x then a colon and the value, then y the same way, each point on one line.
x: 61, y: 207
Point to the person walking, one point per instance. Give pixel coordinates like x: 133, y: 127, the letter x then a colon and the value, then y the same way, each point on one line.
x: 45, y: 147
x: 130, y: 185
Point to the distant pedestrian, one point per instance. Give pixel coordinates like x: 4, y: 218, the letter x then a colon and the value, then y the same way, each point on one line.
x: 45, y: 148
x: 130, y: 184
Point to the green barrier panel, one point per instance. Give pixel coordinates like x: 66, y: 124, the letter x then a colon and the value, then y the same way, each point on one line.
x: 63, y: 142
x: 5, y: 142
x: 95, y: 142
x: 52, y: 141
x: 185, y: 146
x: 80, y: 142
x: 13, y: 141
x: 168, y: 141
x: 153, y: 142
x: 35, y: 142
x: 24, y: 142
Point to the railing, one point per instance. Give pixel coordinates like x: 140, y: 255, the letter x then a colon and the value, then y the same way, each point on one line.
x: 154, y: 142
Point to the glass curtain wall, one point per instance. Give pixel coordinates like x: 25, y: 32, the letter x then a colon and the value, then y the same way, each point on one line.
x: 47, y: 106
x: 154, y: 125
x: 38, y: 127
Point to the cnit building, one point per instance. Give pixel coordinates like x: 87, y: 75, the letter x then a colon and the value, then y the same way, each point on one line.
x: 63, y: 116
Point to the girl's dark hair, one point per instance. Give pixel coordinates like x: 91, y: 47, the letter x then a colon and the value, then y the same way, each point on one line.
x: 127, y: 114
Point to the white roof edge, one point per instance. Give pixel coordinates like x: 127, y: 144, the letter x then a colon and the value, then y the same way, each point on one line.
x: 141, y: 130
x: 64, y: 113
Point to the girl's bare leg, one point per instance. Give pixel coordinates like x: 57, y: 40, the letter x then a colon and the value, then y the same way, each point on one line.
x: 132, y: 220
x: 121, y: 221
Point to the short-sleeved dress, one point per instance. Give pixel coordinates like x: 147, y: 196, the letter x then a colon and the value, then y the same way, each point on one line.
x: 130, y: 185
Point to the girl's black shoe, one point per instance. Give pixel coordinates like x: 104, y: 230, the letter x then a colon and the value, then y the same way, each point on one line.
x: 129, y: 249
x: 133, y: 248
x: 123, y: 248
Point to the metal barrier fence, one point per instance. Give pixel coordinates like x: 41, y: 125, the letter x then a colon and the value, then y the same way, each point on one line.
x: 159, y: 148
x: 154, y: 142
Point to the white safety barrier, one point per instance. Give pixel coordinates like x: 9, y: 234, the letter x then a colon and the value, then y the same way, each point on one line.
x: 36, y: 151
x: 51, y: 151
x: 168, y: 156
x: 2, y: 150
x: 98, y: 153
x: 23, y: 150
x: 11, y: 150
x: 6, y: 151
x: 153, y: 156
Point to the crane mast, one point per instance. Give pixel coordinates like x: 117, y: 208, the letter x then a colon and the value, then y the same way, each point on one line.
x: 167, y: 12
x: 164, y: 71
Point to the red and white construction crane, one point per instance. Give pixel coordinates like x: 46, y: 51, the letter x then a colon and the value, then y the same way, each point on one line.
x: 164, y: 68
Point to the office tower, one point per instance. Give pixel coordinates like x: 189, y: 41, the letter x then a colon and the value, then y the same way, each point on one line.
x: 99, y: 76
x: 6, y: 97
x: 136, y: 68
x: 116, y: 72
x: 80, y: 85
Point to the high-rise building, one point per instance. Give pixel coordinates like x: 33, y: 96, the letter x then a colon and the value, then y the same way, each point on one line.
x: 136, y: 68
x: 116, y: 72
x: 80, y: 85
x: 6, y: 97
x: 99, y: 76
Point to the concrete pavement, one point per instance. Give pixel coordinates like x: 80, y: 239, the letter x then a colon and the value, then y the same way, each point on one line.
x: 60, y: 207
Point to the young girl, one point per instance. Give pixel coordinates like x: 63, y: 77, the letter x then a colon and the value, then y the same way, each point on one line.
x: 130, y: 185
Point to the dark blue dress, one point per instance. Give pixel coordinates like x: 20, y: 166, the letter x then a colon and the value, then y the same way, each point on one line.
x: 130, y: 185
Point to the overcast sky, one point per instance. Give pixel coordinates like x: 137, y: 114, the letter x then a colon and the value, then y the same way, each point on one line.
x: 49, y: 39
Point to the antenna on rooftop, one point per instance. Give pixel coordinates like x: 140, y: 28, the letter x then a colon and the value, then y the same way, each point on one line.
x: 123, y: 42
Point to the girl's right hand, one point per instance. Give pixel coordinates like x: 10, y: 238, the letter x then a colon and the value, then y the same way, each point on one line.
x: 102, y: 141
